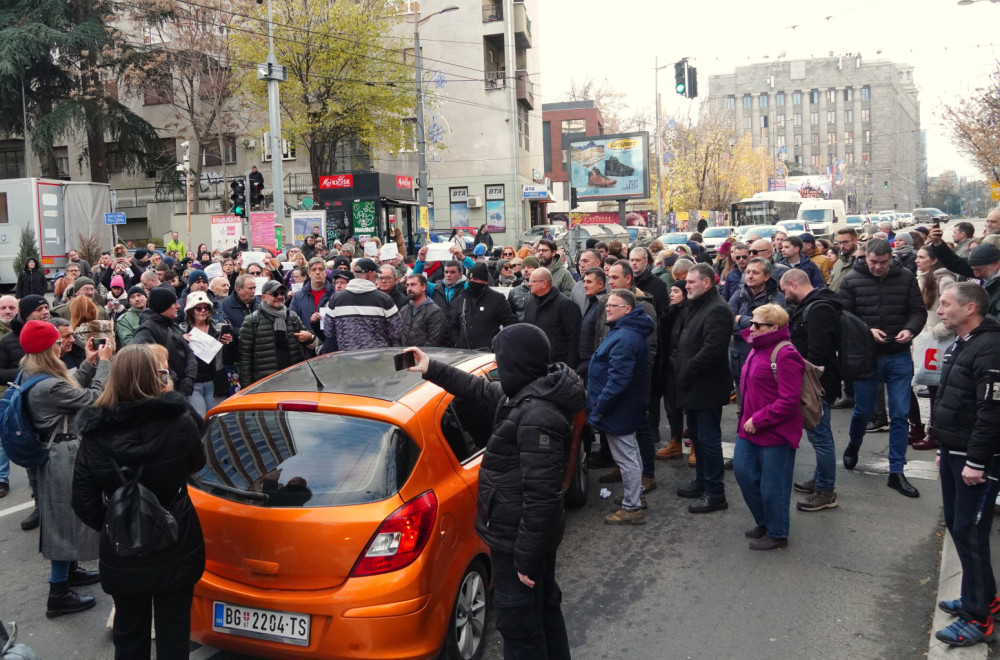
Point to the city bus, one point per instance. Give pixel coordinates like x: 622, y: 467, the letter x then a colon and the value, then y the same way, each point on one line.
x: 766, y: 208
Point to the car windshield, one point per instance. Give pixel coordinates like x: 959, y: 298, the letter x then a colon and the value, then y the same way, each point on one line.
x: 854, y: 220
x: 716, y: 232
x: 815, y: 215
x: 675, y: 239
x: 279, y: 458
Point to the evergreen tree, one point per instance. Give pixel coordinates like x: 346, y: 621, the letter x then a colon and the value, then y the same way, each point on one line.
x: 27, y: 249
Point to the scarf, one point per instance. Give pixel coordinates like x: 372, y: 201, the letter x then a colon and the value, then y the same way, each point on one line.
x: 277, y: 316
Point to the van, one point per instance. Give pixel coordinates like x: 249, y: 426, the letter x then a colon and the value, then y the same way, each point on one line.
x: 822, y: 214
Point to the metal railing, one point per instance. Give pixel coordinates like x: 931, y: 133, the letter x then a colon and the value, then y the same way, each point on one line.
x: 492, y: 12
x: 495, y: 79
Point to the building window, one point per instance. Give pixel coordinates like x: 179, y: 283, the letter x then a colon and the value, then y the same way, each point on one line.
x: 797, y: 119
x: 831, y: 138
x: 831, y: 95
x: 868, y: 137
x: 848, y: 116
x: 866, y: 115
x: 211, y: 157
x: 814, y: 96
x: 748, y: 122
x: 763, y: 121
x: 287, y: 149
x: 796, y: 98
x: 798, y: 159
x: 522, y: 127
x: 848, y: 93
x: 849, y: 157
x: 865, y: 157
x: 815, y: 139
x: 814, y: 118
x: 762, y: 100
x: 730, y: 102
x: 779, y: 121
x: 831, y: 117
x: 866, y: 92
x: 780, y: 141
x: 779, y: 99
x: 849, y: 137
x: 746, y: 102
x: 814, y: 160
x: 798, y: 140
x: 574, y: 126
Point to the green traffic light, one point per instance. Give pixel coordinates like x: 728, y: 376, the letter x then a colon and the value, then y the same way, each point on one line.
x: 680, y: 88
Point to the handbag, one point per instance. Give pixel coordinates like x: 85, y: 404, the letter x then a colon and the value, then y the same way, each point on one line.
x: 928, y: 352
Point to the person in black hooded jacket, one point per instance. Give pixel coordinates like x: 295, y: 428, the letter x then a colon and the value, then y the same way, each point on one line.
x: 31, y: 280
x: 520, y: 481
x: 137, y: 422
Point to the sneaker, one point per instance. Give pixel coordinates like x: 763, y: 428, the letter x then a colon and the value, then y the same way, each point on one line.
x: 967, y: 633
x: 598, y: 180
x: 819, y: 500
x: 613, y: 167
x: 924, y: 393
x: 618, y: 499
x: 674, y: 449
x: 4, y: 488
x: 612, y: 476
x: 877, y: 425
x: 807, y: 487
x: 954, y: 607
x: 623, y: 517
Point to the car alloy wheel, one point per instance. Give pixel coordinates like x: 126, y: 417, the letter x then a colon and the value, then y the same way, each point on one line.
x: 468, y: 620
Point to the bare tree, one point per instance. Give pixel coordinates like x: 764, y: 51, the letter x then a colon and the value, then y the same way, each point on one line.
x: 975, y: 126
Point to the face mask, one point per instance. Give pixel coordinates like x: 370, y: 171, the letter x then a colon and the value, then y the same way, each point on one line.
x: 476, y: 288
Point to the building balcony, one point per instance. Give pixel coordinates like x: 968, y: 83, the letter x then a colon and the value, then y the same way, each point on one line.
x: 525, y: 89
x: 495, y: 79
x: 522, y: 26
x: 492, y: 12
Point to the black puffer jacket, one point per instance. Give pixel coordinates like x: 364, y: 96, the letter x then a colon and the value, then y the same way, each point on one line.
x: 258, y: 351
x: 699, y: 353
x: 559, y: 318
x: 31, y: 282
x: 966, y: 413
x: 155, y: 328
x: 814, y: 336
x: 891, y: 303
x: 520, y: 479
x: 11, y: 352
x: 165, y: 435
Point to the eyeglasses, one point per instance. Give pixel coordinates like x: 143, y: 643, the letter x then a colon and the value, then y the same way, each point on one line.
x: 385, y: 278
x: 742, y: 257
x: 277, y: 295
x: 758, y: 324
x: 508, y: 254
x: 613, y: 305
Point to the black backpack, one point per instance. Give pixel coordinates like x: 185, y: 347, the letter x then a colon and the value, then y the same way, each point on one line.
x: 135, y: 523
x: 857, y: 358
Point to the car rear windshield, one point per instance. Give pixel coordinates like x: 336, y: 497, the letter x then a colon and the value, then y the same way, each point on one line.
x: 279, y: 458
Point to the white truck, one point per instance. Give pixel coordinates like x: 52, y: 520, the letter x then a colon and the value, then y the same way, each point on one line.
x: 822, y: 215
x: 58, y: 212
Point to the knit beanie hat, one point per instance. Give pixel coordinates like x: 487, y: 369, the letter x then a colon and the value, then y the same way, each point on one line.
x: 161, y: 299
x: 905, y: 238
x: 117, y: 281
x: 29, y: 304
x: 81, y: 282
x: 531, y: 262
x: 480, y: 272
x: 138, y: 288
x: 38, y: 336
x: 196, y: 275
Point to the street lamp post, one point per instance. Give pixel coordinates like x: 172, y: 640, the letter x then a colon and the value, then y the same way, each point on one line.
x: 421, y: 139
x: 274, y: 74
x: 656, y: 136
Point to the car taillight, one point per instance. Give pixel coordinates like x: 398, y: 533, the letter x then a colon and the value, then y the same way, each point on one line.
x: 401, y: 537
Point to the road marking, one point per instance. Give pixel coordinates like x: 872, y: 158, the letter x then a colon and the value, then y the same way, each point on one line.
x: 927, y: 470
x: 17, y: 507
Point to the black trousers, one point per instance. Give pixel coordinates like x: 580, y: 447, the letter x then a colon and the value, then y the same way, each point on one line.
x: 530, y: 619
x: 134, y: 618
x: 968, y: 514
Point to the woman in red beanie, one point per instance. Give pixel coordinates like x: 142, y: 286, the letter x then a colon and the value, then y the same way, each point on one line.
x: 53, y: 404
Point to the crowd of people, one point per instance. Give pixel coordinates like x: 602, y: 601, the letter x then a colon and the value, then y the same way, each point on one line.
x: 168, y: 333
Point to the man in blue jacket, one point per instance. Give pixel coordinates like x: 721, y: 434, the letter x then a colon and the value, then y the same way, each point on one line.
x: 616, y: 381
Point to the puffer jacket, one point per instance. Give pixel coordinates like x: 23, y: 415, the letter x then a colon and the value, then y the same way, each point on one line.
x: 773, y: 405
x: 525, y: 460
x: 258, y: 354
x: 11, y: 352
x: 618, y: 373
x: 966, y: 412
x: 162, y: 433
x: 155, y: 328
x: 891, y: 303
x: 31, y: 282
x: 126, y: 326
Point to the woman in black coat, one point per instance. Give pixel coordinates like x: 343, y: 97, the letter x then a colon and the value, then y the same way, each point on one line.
x: 31, y: 280
x: 139, y: 421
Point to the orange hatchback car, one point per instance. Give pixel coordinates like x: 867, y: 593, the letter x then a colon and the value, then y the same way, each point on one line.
x: 338, y: 505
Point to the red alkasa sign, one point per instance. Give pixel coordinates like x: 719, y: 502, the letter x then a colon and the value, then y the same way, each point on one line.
x: 404, y: 182
x: 338, y: 181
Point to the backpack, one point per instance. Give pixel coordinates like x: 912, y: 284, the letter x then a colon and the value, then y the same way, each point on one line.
x: 17, y: 432
x: 135, y: 523
x: 811, y: 400
x: 857, y: 358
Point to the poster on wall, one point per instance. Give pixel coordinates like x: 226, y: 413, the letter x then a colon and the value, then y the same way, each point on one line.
x: 304, y: 222
x: 365, y: 219
x: 262, y: 230
x: 459, y: 207
x: 610, y: 167
x: 496, y: 213
x: 225, y: 231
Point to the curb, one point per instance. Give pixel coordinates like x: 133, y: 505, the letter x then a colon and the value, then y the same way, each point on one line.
x: 950, y: 586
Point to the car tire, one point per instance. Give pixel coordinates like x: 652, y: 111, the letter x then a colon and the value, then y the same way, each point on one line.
x: 579, y: 483
x: 467, y: 628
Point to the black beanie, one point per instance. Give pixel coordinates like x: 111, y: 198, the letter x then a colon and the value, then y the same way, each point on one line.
x: 161, y: 299
x: 480, y: 272
x: 30, y: 303
x: 138, y: 288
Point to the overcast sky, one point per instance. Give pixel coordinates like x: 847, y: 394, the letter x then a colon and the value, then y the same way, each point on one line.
x: 953, y: 48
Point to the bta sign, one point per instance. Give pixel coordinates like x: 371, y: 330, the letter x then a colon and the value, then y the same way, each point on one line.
x: 338, y: 181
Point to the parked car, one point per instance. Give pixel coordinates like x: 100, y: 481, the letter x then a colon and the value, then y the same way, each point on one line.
x: 930, y: 215
x: 557, y: 234
x: 640, y: 236
x: 338, y: 505
x: 675, y: 238
x: 713, y: 237
x: 793, y: 227
x: 765, y: 231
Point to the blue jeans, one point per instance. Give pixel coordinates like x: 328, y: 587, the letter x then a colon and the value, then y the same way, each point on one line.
x: 706, y: 438
x: 765, y: 478
x: 821, y: 439
x: 625, y: 450
x: 58, y: 571
x: 896, y: 371
x: 203, y: 397
x: 4, y: 467
x: 962, y: 505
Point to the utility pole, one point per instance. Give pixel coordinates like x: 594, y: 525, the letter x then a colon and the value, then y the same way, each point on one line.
x: 274, y: 74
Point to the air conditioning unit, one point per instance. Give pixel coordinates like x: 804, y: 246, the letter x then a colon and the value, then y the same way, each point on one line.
x: 475, y: 202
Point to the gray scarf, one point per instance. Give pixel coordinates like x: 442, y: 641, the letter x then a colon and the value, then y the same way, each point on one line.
x: 277, y: 316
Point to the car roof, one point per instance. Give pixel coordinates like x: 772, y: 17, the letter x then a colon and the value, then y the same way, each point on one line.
x: 369, y: 373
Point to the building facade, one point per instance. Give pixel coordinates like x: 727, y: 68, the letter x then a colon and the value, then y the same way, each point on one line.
x: 562, y: 122
x: 862, y: 119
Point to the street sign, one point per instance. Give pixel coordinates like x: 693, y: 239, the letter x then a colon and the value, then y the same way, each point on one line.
x: 114, y: 218
x: 995, y: 192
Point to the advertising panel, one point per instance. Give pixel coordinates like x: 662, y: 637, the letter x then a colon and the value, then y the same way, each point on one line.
x: 225, y: 231
x: 459, y: 207
x: 496, y: 212
x: 365, y: 218
x: 303, y: 223
x: 817, y: 187
x: 610, y: 167
x: 262, y: 230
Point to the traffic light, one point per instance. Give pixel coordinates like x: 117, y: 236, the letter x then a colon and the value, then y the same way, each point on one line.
x: 886, y: 185
x: 680, y: 77
x: 692, y: 86
x: 573, y: 200
x: 239, y: 198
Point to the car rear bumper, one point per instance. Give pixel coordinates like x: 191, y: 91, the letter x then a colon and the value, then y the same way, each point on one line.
x: 346, y: 622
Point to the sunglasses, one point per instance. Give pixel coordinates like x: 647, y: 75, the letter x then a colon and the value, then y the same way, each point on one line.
x: 758, y: 324
x: 203, y: 309
x: 506, y: 268
x: 741, y: 257
x: 756, y: 251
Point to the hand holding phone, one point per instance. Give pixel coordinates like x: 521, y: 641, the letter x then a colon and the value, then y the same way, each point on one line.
x: 403, y: 361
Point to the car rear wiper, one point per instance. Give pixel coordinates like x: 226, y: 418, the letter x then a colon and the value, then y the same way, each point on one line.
x: 239, y: 492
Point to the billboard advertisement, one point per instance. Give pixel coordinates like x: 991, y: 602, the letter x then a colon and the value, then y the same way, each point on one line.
x: 610, y: 167
x: 262, y: 229
x: 225, y: 231
x: 303, y: 223
x: 817, y: 187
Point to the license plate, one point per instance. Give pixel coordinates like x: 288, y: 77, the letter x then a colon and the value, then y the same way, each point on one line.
x: 284, y: 627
